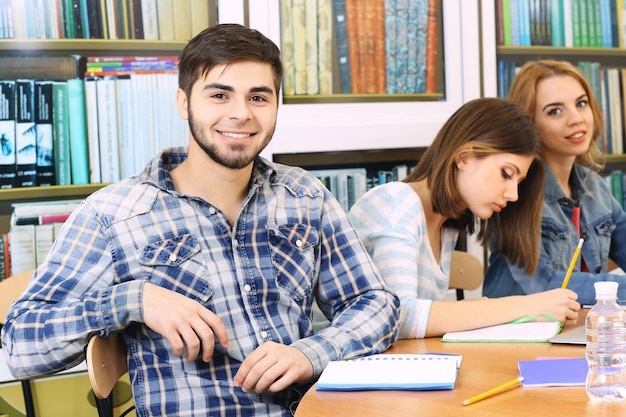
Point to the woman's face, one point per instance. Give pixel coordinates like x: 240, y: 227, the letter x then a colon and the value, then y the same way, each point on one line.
x: 488, y: 184
x: 563, y: 117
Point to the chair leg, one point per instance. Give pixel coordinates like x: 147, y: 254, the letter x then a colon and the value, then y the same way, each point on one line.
x: 28, y: 398
x: 460, y: 294
x: 105, y: 406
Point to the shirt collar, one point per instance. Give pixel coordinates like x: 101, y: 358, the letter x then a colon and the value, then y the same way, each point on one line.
x: 157, y: 172
x: 553, y: 191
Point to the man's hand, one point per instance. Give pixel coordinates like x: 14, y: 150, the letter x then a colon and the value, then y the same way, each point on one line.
x: 183, y: 322
x: 273, y: 367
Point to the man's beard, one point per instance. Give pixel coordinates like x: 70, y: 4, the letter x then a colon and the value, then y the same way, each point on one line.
x: 234, y: 157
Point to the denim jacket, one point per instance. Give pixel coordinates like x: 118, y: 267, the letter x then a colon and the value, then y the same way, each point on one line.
x: 602, y: 225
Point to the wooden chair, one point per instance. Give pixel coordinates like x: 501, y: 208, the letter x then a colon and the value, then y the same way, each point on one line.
x: 106, y: 364
x: 10, y: 290
x: 466, y: 273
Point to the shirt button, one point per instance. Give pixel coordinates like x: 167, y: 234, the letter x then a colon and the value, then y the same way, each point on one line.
x: 264, y: 334
x: 299, y: 243
x: 235, y: 243
x: 247, y: 288
x: 212, y: 210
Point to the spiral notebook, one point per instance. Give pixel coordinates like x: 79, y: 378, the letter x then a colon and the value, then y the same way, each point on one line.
x: 415, y: 372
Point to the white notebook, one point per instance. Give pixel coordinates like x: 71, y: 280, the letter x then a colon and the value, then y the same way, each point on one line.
x: 420, y: 372
x: 530, y: 331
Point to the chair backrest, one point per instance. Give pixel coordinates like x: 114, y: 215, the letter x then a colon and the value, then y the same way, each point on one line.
x: 466, y: 272
x: 106, y: 363
x: 11, y: 289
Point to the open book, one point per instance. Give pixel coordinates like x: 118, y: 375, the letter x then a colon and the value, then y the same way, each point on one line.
x: 420, y: 372
x: 530, y: 331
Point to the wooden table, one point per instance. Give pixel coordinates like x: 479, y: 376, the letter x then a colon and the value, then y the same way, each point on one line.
x: 485, y: 365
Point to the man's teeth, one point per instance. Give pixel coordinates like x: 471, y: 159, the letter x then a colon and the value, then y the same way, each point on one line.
x: 236, y: 135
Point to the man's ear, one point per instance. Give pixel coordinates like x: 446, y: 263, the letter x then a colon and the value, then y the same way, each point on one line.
x: 182, y: 103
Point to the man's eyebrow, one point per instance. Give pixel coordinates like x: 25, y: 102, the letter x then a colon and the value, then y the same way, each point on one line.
x: 262, y: 89
x: 219, y: 86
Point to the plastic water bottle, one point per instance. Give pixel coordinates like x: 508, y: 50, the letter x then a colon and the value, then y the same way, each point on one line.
x: 606, y: 346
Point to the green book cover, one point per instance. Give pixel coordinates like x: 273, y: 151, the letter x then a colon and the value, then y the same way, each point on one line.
x: 78, y: 131
x: 61, y: 134
x: 506, y: 23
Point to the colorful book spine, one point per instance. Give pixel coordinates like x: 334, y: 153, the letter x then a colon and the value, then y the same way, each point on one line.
x: 26, y: 134
x: 63, y: 169
x: 431, y: 46
x: 556, y: 19
x: 287, y: 47
x: 298, y: 9
x: 341, y: 39
x: 324, y: 46
x: 44, y: 118
x: 390, y: 46
x: 78, y: 131
x: 93, y: 140
x: 8, y: 162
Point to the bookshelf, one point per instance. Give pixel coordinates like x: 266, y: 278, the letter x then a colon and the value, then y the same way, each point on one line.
x: 381, y: 129
x: 608, y: 57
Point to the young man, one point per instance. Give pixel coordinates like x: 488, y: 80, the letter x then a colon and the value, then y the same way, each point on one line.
x: 210, y: 260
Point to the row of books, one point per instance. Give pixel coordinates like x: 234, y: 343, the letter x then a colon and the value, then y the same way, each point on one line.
x: 565, y: 23
x: 96, y: 130
x: 33, y: 229
x: 382, y: 46
x: 349, y: 184
x: 616, y: 180
x: 609, y: 88
x: 103, y: 19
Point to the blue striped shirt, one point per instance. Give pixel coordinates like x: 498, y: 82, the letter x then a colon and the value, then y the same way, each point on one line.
x: 391, y: 222
x: 291, y: 245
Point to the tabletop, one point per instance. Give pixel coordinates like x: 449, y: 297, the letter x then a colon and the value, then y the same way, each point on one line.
x: 484, y: 366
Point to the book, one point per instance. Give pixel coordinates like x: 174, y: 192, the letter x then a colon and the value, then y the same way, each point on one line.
x: 287, y: 51
x: 298, y: 31
x: 341, y: 45
x: 182, y: 21
x: 108, y: 129
x: 94, y: 19
x: 391, y: 45
x: 93, y: 140
x: 22, y: 248
x: 25, y: 134
x: 62, y: 164
x: 78, y: 131
x: 40, y: 67
x: 165, y: 19
x: 325, y: 46
x: 529, y: 331
x: 125, y: 125
x: 419, y: 372
x: 44, y: 237
x: 553, y: 372
x: 149, y: 20
x: 5, y: 257
x: 200, y: 16
x: 137, y: 14
x: 431, y: 46
x: 43, y: 208
x: 44, y: 125
x: 8, y: 161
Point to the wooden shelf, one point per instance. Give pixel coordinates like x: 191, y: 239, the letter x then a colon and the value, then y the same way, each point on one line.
x: 608, y: 56
x: 35, y: 47
x: 28, y: 194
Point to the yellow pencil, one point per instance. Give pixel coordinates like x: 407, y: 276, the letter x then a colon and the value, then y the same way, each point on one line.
x: 494, y: 391
x: 572, y: 263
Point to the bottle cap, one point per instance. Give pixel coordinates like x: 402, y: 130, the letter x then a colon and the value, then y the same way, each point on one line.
x: 606, y: 289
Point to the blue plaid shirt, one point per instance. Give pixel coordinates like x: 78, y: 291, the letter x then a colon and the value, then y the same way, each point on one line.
x: 291, y: 245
